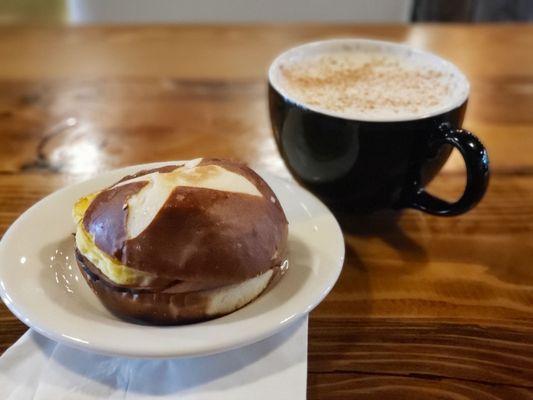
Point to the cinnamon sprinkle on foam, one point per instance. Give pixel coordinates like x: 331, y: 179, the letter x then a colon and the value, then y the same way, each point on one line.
x: 370, y: 84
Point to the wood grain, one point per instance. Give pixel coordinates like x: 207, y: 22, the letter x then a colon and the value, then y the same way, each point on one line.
x: 371, y: 387
x: 424, y: 348
x: 426, y: 307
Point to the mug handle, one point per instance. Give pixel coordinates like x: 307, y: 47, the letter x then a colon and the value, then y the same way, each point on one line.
x: 477, y: 173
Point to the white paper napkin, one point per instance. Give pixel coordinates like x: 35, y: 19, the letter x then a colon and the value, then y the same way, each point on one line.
x: 37, y: 368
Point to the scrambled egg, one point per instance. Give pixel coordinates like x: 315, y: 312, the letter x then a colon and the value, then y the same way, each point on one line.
x: 109, y: 266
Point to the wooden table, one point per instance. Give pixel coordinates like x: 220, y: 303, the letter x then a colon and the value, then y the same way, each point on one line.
x: 426, y: 307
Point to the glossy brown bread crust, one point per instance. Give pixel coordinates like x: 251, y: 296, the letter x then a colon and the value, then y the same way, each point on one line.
x: 106, y: 217
x: 152, y: 306
x: 199, y: 235
x: 153, y: 283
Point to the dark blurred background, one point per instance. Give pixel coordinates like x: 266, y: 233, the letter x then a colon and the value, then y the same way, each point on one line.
x: 197, y: 11
x: 472, y: 10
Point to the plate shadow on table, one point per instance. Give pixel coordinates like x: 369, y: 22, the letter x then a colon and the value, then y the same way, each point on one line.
x: 385, y: 226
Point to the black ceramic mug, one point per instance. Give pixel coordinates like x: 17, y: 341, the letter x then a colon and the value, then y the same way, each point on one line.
x: 363, y: 163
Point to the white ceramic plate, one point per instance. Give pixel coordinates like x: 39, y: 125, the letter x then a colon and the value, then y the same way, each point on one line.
x: 41, y: 284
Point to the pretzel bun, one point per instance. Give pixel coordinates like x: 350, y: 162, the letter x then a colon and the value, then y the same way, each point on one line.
x: 181, y: 243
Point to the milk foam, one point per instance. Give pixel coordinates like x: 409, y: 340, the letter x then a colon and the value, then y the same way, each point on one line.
x: 368, y: 80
